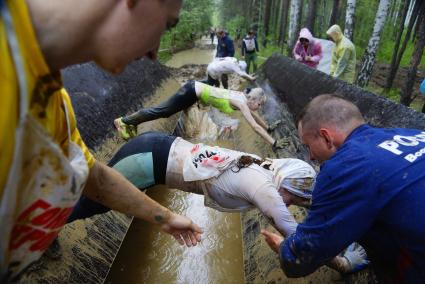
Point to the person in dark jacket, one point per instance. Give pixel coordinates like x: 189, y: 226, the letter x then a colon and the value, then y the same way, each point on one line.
x: 249, y: 50
x: 225, y: 48
x: 370, y: 190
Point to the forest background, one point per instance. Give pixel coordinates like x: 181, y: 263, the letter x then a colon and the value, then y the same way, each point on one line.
x: 389, y: 35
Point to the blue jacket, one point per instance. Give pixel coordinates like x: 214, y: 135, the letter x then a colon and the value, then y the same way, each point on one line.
x: 225, y: 47
x: 372, y: 190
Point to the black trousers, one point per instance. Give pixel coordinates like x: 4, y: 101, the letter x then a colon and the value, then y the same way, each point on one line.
x: 183, y: 99
x: 157, y: 143
x: 216, y: 83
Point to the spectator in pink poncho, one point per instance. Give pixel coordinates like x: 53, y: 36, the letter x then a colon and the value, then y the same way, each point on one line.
x: 307, y: 50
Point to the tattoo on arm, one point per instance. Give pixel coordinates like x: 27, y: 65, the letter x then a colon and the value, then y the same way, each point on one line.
x: 158, y: 218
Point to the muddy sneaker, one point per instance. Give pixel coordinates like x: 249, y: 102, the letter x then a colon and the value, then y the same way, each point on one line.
x: 126, y: 131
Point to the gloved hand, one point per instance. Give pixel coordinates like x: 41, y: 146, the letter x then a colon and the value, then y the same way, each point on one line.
x: 280, y: 143
x: 356, y: 257
x: 274, y: 124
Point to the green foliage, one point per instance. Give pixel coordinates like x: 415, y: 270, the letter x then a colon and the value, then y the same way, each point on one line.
x: 235, y: 23
x: 195, y: 19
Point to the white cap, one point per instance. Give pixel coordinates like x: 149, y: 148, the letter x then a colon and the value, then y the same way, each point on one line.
x: 294, y: 175
x: 242, y: 65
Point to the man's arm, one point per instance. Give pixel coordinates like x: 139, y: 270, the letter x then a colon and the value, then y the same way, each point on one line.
x: 343, y: 209
x: 339, y: 263
x: 342, y: 63
x: 235, y: 68
x: 108, y: 187
x: 317, y: 53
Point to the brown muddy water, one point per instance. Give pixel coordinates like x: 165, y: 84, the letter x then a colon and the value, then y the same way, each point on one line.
x: 149, y: 256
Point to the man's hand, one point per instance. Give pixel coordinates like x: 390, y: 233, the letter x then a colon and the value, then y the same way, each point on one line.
x: 273, y: 125
x: 183, y: 230
x: 280, y: 143
x: 272, y: 239
x: 356, y: 258
x: 252, y: 78
x: 308, y: 58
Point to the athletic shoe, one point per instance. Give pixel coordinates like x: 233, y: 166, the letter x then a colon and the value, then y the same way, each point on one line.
x: 126, y: 131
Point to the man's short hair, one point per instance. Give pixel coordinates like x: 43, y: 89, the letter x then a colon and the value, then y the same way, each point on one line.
x: 330, y: 110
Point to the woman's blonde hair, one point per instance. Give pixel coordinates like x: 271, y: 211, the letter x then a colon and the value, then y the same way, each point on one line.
x: 256, y: 94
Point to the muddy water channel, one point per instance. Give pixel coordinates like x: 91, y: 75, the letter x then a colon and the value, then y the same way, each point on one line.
x: 150, y: 256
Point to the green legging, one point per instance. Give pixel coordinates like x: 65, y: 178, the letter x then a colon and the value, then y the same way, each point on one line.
x: 251, y: 57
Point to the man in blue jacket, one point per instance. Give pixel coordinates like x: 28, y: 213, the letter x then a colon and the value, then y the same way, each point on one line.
x: 225, y: 48
x: 371, y: 190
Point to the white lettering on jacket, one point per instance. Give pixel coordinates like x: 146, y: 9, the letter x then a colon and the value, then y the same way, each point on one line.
x: 392, y: 145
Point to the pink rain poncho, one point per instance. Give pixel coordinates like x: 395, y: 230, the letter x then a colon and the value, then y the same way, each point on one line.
x: 313, y: 50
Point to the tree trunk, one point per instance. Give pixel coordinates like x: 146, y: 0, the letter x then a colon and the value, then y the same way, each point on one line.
x: 406, y: 92
x: 372, y: 47
x: 334, y: 14
x: 276, y: 22
x: 311, y: 16
x: 267, y: 11
x: 300, y: 18
x: 395, y: 63
x: 293, y: 24
x: 324, y: 19
x: 349, y: 19
x: 283, y: 21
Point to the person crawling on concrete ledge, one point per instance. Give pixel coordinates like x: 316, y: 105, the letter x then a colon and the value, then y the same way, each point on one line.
x: 226, y: 101
x: 231, y: 181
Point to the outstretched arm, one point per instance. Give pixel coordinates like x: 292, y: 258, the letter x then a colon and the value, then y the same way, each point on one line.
x: 250, y: 119
x: 259, y: 120
x: 341, y: 264
x: 108, y: 187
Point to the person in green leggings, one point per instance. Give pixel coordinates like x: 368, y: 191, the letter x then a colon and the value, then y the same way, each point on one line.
x: 226, y: 101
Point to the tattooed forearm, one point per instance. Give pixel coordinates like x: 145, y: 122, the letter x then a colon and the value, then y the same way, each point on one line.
x: 108, y: 187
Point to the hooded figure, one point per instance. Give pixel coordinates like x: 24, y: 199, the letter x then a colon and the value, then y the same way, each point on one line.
x: 343, y: 64
x: 307, y: 50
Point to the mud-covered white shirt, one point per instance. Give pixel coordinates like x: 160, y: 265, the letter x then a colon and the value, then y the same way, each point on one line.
x: 250, y: 187
x: 224, y: 65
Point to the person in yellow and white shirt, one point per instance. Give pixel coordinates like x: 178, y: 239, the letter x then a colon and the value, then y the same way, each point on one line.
x: 44, y: 164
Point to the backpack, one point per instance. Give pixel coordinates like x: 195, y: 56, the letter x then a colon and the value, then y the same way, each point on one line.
x: 250, y: 44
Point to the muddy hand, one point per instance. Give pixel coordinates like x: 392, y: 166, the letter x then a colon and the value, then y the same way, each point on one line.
x: 183, y: 230
x: 274, y: 124
x: 272, y: 239
x: 281, y: 143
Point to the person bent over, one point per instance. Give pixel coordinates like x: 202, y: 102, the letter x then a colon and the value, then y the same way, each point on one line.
x: 307, y: 50
x: 370, y: 190
x: 226, y: 65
